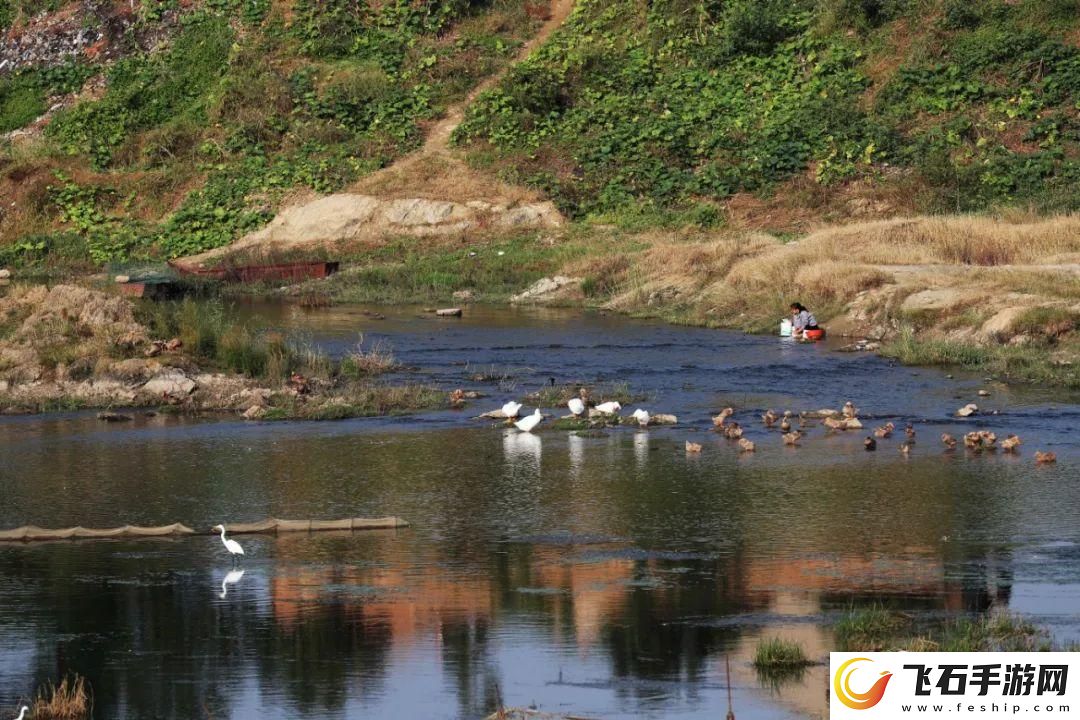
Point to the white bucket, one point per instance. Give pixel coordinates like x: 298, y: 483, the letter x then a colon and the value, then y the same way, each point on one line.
x: 785, y: 328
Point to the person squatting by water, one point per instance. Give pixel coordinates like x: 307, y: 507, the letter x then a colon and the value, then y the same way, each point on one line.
x: 803, y: 323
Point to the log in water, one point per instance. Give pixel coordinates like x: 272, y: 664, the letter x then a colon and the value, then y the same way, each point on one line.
x: 28, y: 533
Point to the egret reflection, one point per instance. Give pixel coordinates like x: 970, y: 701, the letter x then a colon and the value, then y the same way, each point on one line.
x: 522, y: 450
x: 576, y: 445
x: 641, y: 448
x: 231, y: 578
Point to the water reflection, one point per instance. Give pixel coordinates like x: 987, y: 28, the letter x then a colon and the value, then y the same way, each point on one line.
x: 605, y: 575
x: 641, y: 448
x: 522, y: 451
x: 231, y: 578
x: 388, y: 621
x: 575, y: 445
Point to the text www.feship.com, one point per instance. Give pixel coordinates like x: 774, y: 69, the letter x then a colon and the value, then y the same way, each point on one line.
x: 1002, y: 708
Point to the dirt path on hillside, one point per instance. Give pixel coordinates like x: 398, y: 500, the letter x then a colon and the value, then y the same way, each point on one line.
x: 433, y: 183
x: 438, y: 138
x: 438, y: 171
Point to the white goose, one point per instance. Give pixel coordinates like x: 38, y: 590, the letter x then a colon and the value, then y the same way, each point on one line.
x: 642, y: 417
x: 576, y: 405
x: 231, y: 545
x: 511, y: 409
x: 529, y: 423
x: 609, y: 408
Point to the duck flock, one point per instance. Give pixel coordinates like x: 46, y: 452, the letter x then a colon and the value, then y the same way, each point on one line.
x: 790, y: 425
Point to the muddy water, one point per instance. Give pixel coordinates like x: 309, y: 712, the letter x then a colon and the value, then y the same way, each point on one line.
x: 609, y: 575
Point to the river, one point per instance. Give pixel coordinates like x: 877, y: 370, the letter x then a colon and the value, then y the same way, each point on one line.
x: 609, y: 575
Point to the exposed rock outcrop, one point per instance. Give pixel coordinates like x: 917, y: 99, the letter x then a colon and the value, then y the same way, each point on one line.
x: 349, y: 217
x: 547, y: 289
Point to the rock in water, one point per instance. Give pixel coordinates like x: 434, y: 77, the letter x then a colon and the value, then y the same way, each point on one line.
x: 968, y: 410
x: 113, y: 417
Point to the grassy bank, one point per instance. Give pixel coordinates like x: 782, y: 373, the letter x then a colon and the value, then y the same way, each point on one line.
x: 70, y: 347
x: 1046, y: 363
x: 876, y: 629
x: 490, y: 269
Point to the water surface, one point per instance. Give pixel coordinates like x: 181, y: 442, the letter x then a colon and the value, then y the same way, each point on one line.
x: 608, y: 575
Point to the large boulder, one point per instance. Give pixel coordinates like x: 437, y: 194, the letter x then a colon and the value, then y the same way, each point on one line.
x: 933, y: 299
x: 170, y: 383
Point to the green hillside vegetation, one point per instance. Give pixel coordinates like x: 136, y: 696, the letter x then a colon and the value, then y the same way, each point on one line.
x: 190, y: 146
x: 656, y: 111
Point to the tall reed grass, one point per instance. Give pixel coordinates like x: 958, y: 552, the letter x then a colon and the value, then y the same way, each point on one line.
x: 70, y: 700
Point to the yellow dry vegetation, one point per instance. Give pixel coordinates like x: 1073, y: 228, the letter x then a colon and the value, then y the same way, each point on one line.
x: 747, y: 279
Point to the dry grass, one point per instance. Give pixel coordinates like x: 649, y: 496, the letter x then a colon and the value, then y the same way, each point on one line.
x: 742, y: 280
x: 441, y: 176
x: 70, y: 700
x: 63, y: 327
x: 746, y: 280
x: 365, y: 362
x: 963, y: 240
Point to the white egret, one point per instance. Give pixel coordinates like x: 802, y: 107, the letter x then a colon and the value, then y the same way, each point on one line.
x: 528, y: 424
x: 231, y: 545
x: 22, y: 713
x: 576, y: 405
x: 511, y: 409
x: 231, y: 578
x: 609, y: 408
x: 642, y: 417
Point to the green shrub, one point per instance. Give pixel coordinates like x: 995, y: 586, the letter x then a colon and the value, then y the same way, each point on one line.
x: 910, y: 350
x: 21, y: 102
x: 961, y: 15
x: 868, y: 629
x: 1046, y: 322
x: 23, y: 94
x: 148, y: 90
x: 755, y: 26
x: 199, y: 326
x: 635, y: 111
x: 242, y: 351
